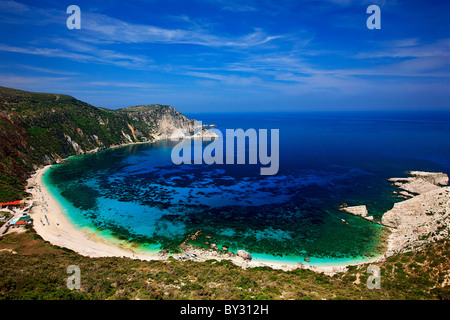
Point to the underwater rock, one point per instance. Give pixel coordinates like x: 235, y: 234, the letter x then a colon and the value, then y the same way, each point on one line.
x: 198, y: 233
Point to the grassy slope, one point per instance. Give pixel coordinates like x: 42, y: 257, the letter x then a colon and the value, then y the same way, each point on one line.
x: 407, y: 276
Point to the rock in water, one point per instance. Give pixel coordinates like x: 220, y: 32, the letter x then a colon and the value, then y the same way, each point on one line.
x: 244, y: 254
x: 360, y: 211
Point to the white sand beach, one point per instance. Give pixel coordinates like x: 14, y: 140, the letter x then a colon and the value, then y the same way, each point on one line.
x: 52, y: 224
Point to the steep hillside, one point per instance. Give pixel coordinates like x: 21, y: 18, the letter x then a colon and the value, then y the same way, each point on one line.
x: 43, y: 128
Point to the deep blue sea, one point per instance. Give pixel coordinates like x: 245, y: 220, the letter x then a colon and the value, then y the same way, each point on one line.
x: 136, y: 194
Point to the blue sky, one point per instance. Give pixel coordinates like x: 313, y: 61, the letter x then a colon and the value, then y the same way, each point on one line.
x: 217, y: 55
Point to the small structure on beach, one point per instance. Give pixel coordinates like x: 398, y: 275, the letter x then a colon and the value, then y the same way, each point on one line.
x: 21, y: 221
x: 18, y: 203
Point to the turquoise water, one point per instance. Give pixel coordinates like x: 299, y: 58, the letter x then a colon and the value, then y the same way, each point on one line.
x: 136, y: 194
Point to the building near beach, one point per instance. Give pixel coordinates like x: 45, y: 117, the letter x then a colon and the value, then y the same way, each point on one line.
x: 21, y: 221
x: 18, y: 203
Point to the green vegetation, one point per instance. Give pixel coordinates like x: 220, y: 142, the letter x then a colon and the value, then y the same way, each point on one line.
x: 407, y: 276
x: 42, y: 128
x: 144, y: 108
x: 34, y: 130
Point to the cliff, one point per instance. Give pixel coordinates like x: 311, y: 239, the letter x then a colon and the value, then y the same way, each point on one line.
x: 162, y: 119
x: 43, y: 128
x: 422, y: 219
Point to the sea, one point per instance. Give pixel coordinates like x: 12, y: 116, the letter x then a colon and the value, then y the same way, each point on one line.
x: 137, y: 195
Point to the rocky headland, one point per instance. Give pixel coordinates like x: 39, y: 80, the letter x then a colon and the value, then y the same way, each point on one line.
x: 419, y: 182
x: 39, y: 129
x: 424, y: 217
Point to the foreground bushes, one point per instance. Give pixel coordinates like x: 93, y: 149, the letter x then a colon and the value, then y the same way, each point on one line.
x: 28, y: 275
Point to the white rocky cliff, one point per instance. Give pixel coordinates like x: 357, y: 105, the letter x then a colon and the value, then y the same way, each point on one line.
x: 166, y: 122
x: 423, y: 218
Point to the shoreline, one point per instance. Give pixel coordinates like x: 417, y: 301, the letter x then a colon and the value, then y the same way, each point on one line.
x: 53, y: 225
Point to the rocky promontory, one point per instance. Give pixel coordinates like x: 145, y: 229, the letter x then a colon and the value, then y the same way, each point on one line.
x: 38, y: 129
x: 420, y: 219
x: 420, y: 182
x: 423, y: 218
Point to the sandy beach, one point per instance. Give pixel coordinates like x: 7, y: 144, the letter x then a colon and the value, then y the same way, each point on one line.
x: 52, y: 224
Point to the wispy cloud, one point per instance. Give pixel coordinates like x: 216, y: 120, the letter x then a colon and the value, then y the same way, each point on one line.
x: 232, y: 80
x: 92, y: 56
x: 48, y: 70
x: 409, y: 48
x: 233, y: 5
x: 101, y: 27
x: 14, y: 12
x: 128, y: 84
x: 380, y: 3
x: 13, y: 7
x: 17, y: 81
x: 257, y: 48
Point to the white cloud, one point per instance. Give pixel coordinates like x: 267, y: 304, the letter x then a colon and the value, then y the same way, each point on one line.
x: 92, y: 56
x: 29, y: 82
x: 101, y: 27
x: 13, y: 7
x: 128, y: 84
x: 409, y: 48
x: 47, y: 70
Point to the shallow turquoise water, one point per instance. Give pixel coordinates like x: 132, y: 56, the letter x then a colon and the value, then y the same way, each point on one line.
x: 136, y: 193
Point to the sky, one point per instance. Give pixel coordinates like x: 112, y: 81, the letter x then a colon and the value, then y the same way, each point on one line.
x: 228, y: 56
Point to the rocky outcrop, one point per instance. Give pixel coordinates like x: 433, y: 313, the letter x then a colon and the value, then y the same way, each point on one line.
x: 203, y: 134
x: 422, y: 219
x: 77, y: 149
x: 160, y: 120
x: 419, y: 220
x: 164, y: 122
x: 420, y: 182
x: 360, y: 211
x: 244, y: 255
